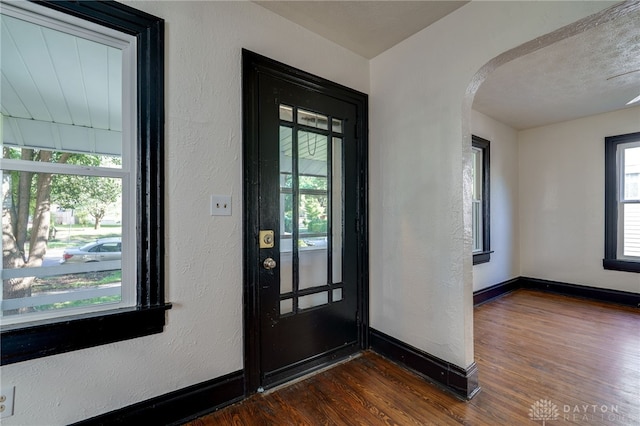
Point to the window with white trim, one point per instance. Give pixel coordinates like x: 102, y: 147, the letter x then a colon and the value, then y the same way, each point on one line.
x: 68, y: 164
x: 82, y: 128
x: 622, y: 198
x: 480, y: 200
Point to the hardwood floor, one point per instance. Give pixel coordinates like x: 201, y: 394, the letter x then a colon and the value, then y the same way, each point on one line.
x: 580, y: 357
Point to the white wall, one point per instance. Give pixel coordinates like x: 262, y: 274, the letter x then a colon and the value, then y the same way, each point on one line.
x: 562, y: 200
x: 421, y: 273
x: 420, y: 210
x: 203, y: 337
x: 504, y: 219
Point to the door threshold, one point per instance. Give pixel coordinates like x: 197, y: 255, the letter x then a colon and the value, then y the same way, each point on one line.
x: 312, y: 373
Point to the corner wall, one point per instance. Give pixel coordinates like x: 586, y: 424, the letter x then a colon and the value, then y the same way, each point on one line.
x: 504, y: 217
x: 421, y: 280
x: 203, y: 338
x: 562, y: 200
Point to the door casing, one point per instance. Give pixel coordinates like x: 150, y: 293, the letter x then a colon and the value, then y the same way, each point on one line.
x: 253, y: 65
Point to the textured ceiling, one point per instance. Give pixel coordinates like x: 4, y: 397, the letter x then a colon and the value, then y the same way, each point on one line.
x: 367, y: 28
x: 590, y: 73
x: 567, y: 80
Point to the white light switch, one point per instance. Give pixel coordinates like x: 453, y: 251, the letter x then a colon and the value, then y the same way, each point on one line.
x: 6, y: 401
x: 221, y: 205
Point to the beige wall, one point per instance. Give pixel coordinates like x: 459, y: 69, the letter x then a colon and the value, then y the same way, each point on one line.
x: 420, y: 245
x: 547, y: 194
x: 562, y: 200
x: 421, y: 273
x: 203, y: 337
x: 505, y: 226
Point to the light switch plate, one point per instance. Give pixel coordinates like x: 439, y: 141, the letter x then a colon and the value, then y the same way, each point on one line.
x: 6, y: 401
x: 221, y: 205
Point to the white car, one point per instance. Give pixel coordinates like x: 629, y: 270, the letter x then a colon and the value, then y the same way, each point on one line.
x: 101, y: 250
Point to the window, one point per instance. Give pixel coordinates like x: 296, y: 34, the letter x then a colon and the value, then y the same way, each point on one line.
x: 480, y: 201
x: 622, y: 203
x: 311, y: 190
x: 82, y: 121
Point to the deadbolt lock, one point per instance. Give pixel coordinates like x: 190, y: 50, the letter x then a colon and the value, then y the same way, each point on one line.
x: 267, y: 239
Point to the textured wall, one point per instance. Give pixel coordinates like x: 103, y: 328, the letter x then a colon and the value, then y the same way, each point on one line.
x: 421, y: 273
x: 203, y: 337
x: 562, y: 200
x: 421, y: 281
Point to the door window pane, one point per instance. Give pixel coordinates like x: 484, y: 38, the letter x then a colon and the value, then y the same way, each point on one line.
x: 311, y: 204
x: 313, y: 300
x: 313, y: 182
x: 286, y: 268
x: 313, y: 214
x: 286, y: 113
x: 286, y: 157
x: 337, y: 201
x: 312, y: 119
x: 312, y: 261
x: 312, y: 154
x: 336, y: 126
x: 337, y: 294
x: 286, y: 306
x: 286, y: 203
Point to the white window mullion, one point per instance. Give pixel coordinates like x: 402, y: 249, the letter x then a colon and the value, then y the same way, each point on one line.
x: 98, y: 134
x: 58, y: 168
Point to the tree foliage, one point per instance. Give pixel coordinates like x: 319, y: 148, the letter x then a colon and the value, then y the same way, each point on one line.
x: 92, y: 194
x: 27, y: 199
x: 25, y: 195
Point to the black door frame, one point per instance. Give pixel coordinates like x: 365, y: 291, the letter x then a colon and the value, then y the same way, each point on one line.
x: 252, y: 66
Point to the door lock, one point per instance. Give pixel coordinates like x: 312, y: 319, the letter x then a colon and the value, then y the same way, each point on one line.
x: 267, y: 239
x: 269, y: 263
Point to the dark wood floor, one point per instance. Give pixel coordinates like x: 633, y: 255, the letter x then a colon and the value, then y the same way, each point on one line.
x: 581, y: 357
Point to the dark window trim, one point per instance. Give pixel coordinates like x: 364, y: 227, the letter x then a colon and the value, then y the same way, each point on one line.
x: 43, y: 338
x: 485, y: 255
x: 611, y: 260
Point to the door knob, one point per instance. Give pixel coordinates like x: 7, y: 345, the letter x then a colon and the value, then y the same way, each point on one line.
x: 269, y: 263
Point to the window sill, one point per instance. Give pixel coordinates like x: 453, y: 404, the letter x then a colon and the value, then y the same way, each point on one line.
x: 50, y: 338
x: 481, y: 257
x: 621, y: 265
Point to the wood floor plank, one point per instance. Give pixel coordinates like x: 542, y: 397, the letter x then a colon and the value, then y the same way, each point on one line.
x: 583, y: 356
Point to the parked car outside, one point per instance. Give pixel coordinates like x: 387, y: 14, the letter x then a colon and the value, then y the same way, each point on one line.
x: 101, y: 250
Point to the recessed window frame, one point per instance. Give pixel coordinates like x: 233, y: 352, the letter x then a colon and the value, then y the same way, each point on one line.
x: 21, y: 342
x: 30, y: 16
x: 484, y: 254
x: 613, y: 260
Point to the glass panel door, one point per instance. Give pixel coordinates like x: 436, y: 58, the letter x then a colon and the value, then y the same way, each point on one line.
x: 311, y: 204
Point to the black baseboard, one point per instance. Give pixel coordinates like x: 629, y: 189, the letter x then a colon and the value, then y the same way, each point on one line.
x: 461, y: 382
x: 179, y: 406
x: 495, y: 291
x: 198, y: 400
x: 585, y: 292
x: 592, y: 293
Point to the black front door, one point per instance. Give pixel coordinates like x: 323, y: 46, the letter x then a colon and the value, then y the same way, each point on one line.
x: 306, y: 229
